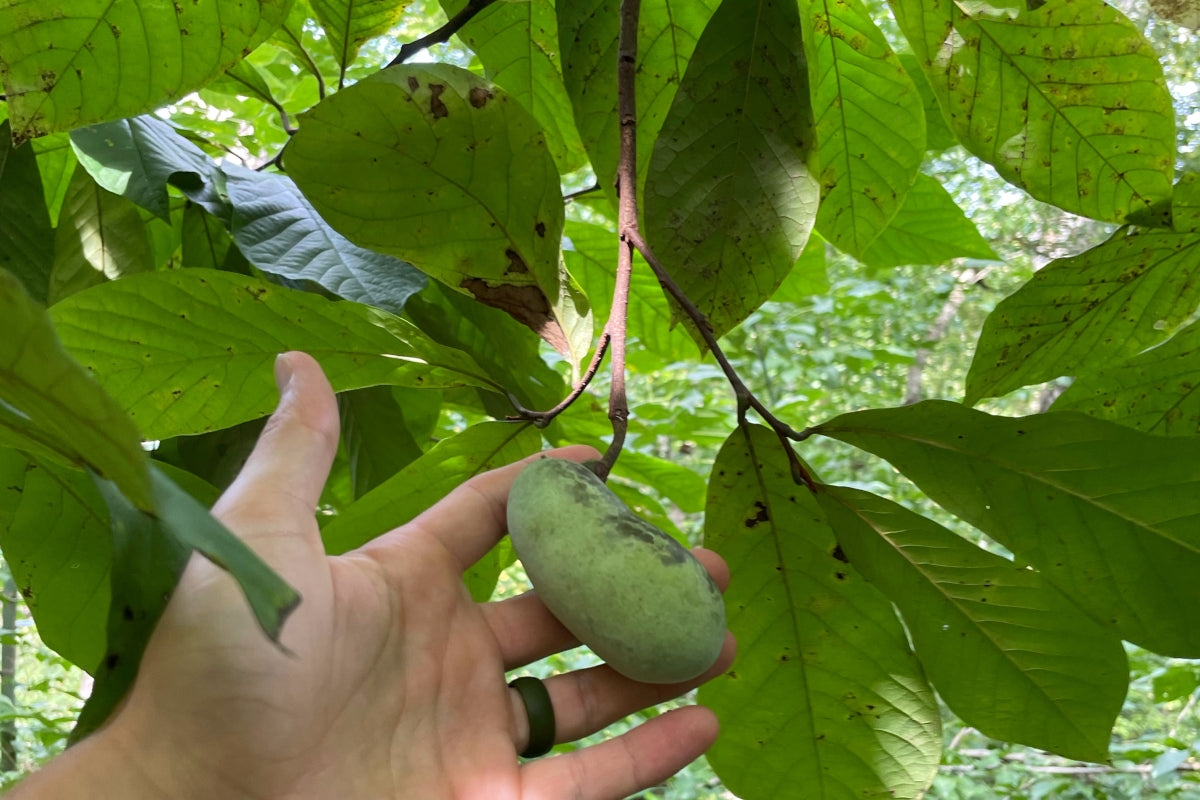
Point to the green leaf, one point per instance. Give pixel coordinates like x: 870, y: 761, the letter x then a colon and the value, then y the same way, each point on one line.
x: 280, y: 232
x: 137, y: 158
x: 518, y: 46
x: 449, y: 151
x: 26, y: 235
x: 192, y: 350
x: 505, y: 349
x: 825, y: 699
x: 1185, y: 204
x: 206, y: 244
x: 1082, y: 313
x: 1055, y: 678
x: 1157, y: 391
x: 1067, y: 100
x: 1106, y: 513
x: 930, y: 228
x: 870, y: 123
x: 677, y: 483
x: 190, y: 523
x: 938, y: 136
x: 431, y: 477
x: 376, y: 434
x: 65, y: 66
x: 45, y: 395
x: 731, y: 194
x: 587, y: 32
x: 808, y: 276
x: 100, y: 237
x: 351, y: 23
x: 54, y: 535
x: 56, y: 162
x: 591, y: 255
x: 146, y: 565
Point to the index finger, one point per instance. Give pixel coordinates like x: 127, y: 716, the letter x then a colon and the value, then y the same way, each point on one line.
x: 473, y: 517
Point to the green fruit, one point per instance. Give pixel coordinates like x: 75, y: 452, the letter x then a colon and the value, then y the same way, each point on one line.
x: 633, y: 594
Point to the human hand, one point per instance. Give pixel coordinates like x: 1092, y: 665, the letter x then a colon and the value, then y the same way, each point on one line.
x: 395, y: 686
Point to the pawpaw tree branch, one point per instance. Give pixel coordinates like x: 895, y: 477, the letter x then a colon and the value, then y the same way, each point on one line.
x: 543, y: 418
x: 442, y: 34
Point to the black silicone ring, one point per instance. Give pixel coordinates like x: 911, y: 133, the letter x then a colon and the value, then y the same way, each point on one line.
x: 541, y: 715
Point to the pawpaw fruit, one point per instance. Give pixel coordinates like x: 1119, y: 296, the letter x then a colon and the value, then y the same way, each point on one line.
x: 635, y: 596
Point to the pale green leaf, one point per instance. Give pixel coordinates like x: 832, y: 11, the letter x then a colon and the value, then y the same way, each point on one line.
x: 930, y: 228
x: 100, y: 237
x: 677, y: 483
x: 1067, y: 100
x: 870, y: 123
x: 1106, y: 513
x: 26, y: 235
x: 1082, y: 313
x: 587, y: 32
x: 56, y: 162
x: 67, y: 63
x: 731, y: 193
x: 46, y: 396
x: 351, y: 23
x: 518, y: 46
x: 192, y: 350
x: 825, y: 700
x: 938, y: 136
x: 398, y: 159
x: 431, y: 477
x: 1157, y: 391
x: 808, y: 276
x: 1055, y: 678
x: 55, y: 539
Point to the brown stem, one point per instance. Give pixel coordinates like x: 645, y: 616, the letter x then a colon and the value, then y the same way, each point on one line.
x: 627, y: 214
x: 543, y: 418
x: 569, y: 196
x: 443, y: 33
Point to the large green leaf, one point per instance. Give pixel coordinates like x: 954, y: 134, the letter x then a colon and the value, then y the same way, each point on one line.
x: 938, y: 136
x: 731, y: 194
x: 56, y: 162
x: 349, y: 24
x: 66, y: 64
x: 870, y: 123
x: 377, y: 431
x: 591, y: 255
x: 1067, y: 100
x: 929, y: 228
x: 280, y: 232
x: 191, y: 350
x: 400, y: 158
x: 425, y: 481
x: 26, y: 235
x: 1055, y: 678
x: 587, y: 32
x: 1157, y: 391
x: 205, y: 243
x: 49, y: 400
x: 518, y: 45
x: 825, y: 700
x: 1108, y: 514
x: 137, y: 158
x: 54, y: 535
x: 1082, y: 313
x: 101, y: 236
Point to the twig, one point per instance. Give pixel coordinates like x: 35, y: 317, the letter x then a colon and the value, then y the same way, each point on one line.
x: 569, y: 196
x: 543, y: 418
x: 443, y: 33
x: 745, y: 398
x: 627, y: 214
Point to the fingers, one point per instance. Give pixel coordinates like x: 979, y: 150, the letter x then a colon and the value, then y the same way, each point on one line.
x: 276, y: 493
x: 639, y: 759
x: 473, y: 517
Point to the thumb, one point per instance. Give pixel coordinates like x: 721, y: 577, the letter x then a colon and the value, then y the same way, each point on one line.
x: 275, y: 495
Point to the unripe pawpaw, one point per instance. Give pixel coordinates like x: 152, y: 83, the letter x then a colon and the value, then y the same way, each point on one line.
x: 633, y: 594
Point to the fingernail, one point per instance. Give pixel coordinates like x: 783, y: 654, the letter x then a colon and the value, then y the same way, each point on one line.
x: 283, y: 373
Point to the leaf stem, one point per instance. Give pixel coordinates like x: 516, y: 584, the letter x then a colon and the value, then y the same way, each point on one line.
x: 569, y: 196
x: 443, y: 33
x: 543, y: 418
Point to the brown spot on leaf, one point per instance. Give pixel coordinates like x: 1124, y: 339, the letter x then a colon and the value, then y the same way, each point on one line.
x: 479, y: 96
x: 525, y: 304
x: 760, y: 516
x: 516, y: 264
x: 436, y: 106
x: 541, y: 229
x: 413, y: 84
x: 840, y: 554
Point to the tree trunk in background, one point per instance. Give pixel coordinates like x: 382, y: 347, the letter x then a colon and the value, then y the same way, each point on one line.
x: 8, y: 676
